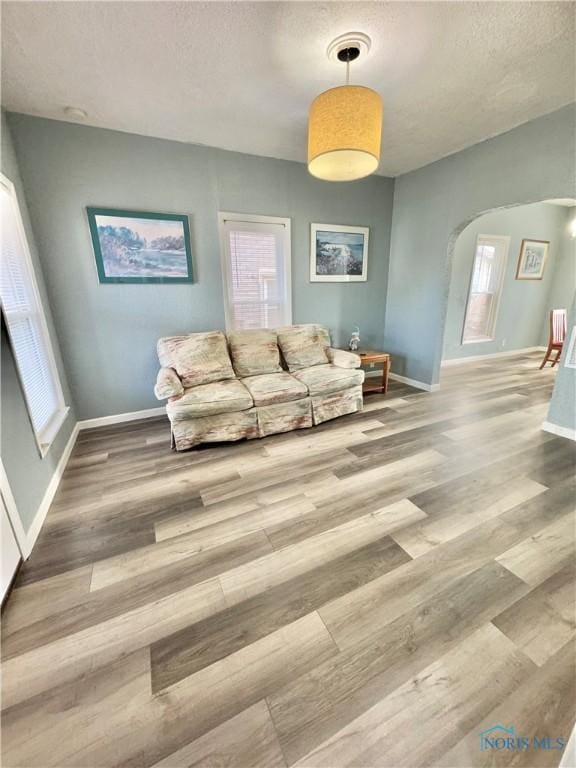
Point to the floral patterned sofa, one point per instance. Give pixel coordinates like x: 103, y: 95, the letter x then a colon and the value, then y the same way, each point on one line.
x: 247, y: 384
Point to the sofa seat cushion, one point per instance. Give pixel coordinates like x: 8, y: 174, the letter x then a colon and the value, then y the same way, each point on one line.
x: 274, y: 388
x: 323, y: 379
x: 210, y: 399
x: 303, y: 345
x: 198, y: 358
x: 254, y: 352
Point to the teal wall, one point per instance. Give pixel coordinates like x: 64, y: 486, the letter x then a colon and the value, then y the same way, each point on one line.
x: 562, y: 410
x: 108, y: 332
x: 28, y: 474
x: 524, y: 304
x: 531, y: 163
x: 564, y: 279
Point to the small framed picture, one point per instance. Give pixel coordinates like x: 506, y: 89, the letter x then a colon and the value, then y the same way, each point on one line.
x: 532, y: 259
x: 139, y: 247
x: 338, y: 254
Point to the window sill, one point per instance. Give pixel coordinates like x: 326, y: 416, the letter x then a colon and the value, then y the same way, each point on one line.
x: 49, y: 433
x: 478, y: 341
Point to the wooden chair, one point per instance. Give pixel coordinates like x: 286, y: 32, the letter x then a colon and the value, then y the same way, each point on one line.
x: 556, y: 336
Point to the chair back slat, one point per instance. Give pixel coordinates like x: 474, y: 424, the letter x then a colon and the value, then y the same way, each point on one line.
x: 558, y: 322
x: 557, y: 326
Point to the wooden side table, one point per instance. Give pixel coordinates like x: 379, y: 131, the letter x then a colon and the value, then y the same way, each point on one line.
x: 375, y: 356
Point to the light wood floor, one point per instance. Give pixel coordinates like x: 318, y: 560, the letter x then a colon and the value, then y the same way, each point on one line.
x: 373, y: 592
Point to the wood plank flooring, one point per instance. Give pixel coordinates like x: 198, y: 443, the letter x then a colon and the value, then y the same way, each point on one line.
x: 373, y: 592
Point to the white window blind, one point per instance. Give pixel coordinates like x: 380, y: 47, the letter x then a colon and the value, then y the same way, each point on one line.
x: 26, y: 324
x: 485, y: 289
x: 256, y: 268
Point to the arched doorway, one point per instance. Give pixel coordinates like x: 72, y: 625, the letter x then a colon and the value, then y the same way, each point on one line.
x: 547, y: 221
x: 509, y: 267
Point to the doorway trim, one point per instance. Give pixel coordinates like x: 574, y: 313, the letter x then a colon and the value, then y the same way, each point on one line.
x: 13, y: 516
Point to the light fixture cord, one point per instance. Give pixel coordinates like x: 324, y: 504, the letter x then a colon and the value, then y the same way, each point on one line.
x: 347, y: 71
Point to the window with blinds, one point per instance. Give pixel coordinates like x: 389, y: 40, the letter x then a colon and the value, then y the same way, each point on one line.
x: 256, y: 270
x: 485, y: 288
x: 26, y: 324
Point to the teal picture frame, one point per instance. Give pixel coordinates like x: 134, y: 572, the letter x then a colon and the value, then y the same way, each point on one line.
x: 120, y: 240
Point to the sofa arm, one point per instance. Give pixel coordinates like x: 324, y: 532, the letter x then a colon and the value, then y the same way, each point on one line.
x: 168, y: 384
x: 342, y: 359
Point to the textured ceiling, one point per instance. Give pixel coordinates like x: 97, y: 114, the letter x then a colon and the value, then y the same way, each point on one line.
x: 240, y: 75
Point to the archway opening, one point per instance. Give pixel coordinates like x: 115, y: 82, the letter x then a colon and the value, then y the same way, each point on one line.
x: 512, y: 282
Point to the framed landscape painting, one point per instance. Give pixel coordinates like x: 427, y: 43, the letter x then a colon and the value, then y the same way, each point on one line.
x: 139, y: 247
x: 338, y: 254
x: 532, y: 259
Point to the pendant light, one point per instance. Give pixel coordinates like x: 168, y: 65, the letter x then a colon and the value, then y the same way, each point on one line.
x: 345, y: 123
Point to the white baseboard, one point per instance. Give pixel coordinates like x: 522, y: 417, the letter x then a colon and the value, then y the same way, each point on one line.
x: 548, y: 426
x: 28, y: 539
x: 414, y: 382
x: 40, y: 516
x: 507, y: 353
x: 119, y: 418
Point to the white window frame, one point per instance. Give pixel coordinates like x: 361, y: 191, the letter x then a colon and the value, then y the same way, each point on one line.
x: 249, y: 218
x: 504, y: 242
x: 45, y: 438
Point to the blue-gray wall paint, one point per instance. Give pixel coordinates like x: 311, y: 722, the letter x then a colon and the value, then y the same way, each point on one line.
x: 564, y: 282
x: 108, y: 332
x: 28, y: 474
x: 531, y: 163
x: 562, y: 410
x: 524, y: 304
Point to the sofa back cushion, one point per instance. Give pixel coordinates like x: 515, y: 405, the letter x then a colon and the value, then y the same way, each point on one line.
x: 198, y: 358
x: 254, y: 352
x: 303, y: 345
